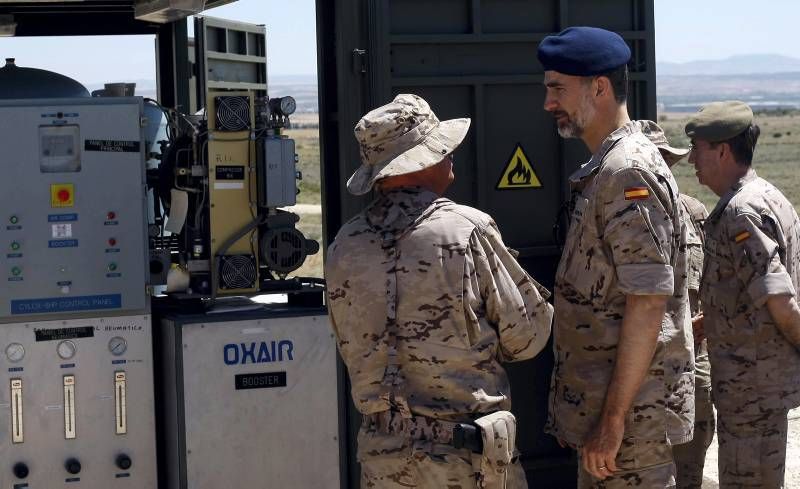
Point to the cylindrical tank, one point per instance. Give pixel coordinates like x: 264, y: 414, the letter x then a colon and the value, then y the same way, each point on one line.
x: 20, y: 83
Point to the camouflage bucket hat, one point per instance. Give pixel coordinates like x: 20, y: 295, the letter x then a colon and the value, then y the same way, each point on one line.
x: 656, y: 136
x: 402, y: 137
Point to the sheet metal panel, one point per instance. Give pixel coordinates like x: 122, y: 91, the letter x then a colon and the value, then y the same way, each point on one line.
x: 247, y: 399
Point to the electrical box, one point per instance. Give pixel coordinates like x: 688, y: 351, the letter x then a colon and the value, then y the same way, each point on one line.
x: 76, y: 370
x: 243, y: 393
x: 76, y: 404
x: 73, y: 227
x: 277, y: 185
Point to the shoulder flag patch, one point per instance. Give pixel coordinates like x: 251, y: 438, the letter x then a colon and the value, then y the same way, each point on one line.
x: 742, y: 236
x: 636, y: 193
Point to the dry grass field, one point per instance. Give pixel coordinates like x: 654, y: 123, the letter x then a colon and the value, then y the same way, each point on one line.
x: 307, y: 146
x: 776, y: 158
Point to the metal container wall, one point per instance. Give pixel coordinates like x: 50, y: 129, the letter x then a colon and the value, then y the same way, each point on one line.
x: 476, y: 58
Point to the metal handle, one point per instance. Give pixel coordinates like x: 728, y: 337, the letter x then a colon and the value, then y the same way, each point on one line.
x: 360, y: 61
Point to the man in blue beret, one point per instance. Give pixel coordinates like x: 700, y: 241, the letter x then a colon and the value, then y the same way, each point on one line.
x: 622, y: 391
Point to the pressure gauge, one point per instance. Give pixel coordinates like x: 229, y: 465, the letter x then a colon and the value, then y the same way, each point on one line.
x: 15, y: 352
x: 117, y: 346
x: 284, y: 106
x: 66, y: 349
x: 288, y: 105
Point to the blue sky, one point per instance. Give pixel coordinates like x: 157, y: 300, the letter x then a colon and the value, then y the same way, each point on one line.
x: 685, y: 30
x: 688, y: 30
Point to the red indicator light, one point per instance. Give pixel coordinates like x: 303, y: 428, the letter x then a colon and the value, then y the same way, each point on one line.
x: 112, y: 242
x: 111, y: 216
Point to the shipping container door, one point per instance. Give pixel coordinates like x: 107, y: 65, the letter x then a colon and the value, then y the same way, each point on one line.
x: 477, y: 58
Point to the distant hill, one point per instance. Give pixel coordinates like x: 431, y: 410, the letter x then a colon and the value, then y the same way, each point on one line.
x: 735, y: 65
x: 765, y: 81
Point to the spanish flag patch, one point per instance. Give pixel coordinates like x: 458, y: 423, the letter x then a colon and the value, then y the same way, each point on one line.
x: 636, y: 193
x: 742, y: 236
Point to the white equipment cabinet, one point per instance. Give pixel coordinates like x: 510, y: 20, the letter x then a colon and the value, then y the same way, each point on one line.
x: 249, y: 400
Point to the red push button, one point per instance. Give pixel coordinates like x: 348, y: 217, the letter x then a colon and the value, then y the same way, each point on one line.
x: 64, y: 195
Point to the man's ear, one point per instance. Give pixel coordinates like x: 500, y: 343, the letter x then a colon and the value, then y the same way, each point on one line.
x: 723, y: 150
x: 602, y: 86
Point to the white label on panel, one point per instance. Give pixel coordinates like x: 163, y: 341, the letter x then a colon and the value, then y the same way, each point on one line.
x: 62, y: 230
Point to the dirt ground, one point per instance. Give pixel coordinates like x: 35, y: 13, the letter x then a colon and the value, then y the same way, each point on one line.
x: 710, y: 474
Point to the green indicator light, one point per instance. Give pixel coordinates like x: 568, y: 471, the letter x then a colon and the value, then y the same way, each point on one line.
x: 112, y: 266
x: 13, y: 219
x: 16, y: 271
x: 15, y: 246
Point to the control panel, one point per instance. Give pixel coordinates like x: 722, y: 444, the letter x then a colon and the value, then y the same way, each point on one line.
x: 72, y: 225
x: 76, y: 404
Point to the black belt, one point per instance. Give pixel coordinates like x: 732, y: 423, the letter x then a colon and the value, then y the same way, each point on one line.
x: 457, y: 435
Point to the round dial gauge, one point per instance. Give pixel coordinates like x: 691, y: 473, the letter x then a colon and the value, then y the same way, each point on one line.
x: 66, y: 349
x: 288, y: 105
x: 15, y: 352
x: 117, y: 346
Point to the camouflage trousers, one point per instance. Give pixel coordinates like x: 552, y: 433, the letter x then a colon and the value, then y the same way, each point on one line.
x: 690, y: 457
x: 396, y: 462
x: 752, y: 450
x: 644, y: 464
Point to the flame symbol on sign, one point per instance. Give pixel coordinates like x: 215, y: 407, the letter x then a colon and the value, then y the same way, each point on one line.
x: 519, y: 175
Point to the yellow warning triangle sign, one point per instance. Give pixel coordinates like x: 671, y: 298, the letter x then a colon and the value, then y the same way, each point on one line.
x: 519, y: 172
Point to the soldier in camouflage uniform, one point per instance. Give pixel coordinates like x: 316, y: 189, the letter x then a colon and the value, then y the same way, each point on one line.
x: 426, y: 302
x: 748, y: 292
x: 622, y: 390
x: 690, y: 457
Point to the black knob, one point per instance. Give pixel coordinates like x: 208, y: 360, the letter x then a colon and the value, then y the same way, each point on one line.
x: 21, y: 470
x: 73, y: 466
x: 124, y: 462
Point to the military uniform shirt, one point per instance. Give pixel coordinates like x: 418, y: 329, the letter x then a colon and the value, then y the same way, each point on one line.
x: 627, y: 236
x: 462, y: 305
x: 696, y: 215
x: 752, y: 252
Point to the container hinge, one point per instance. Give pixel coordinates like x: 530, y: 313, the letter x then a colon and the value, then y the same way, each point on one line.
x: 360, y: 61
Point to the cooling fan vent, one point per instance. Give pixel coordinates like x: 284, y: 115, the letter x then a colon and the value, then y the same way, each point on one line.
x: 284, y: 249
x: 233, y: 113
x: 238, y: 272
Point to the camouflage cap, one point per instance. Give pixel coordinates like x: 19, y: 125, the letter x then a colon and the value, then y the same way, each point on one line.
x: 720, y: 121
x: 656, y: 136
x: 404, y: 136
